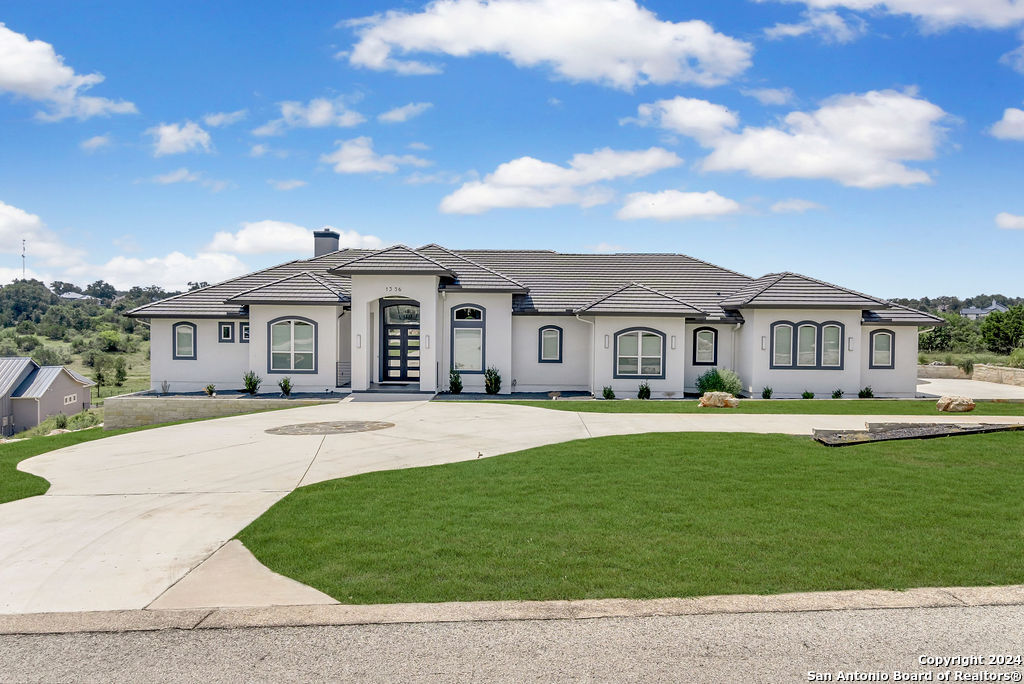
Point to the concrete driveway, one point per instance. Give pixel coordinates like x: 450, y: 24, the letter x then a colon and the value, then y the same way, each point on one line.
x: 127, y: 517
x: 975, y: 389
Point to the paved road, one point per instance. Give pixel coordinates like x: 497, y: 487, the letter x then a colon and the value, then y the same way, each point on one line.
x: 757, y: 647
x: 129, y: 516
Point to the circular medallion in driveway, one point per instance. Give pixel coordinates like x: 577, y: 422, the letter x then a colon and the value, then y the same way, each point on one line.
x: 337, y: 427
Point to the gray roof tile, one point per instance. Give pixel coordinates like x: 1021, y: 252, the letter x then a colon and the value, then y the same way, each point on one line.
x: 397, y: 259
x: 305, y: 287
x: 901, y: 315
x: 469, y: 275
x: 637, y: 298
x: 792, y: 290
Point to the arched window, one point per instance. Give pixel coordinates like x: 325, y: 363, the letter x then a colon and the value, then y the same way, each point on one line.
x: 293, y: 344
x: 807, y: 345
x: 705, y: 347
x: 184, y: 335
x: 831, y: 345
x: 639, y: 353
x: 468, y: 339
x: 549, y: 349
x: 782, y: 345
x: 883, y: 354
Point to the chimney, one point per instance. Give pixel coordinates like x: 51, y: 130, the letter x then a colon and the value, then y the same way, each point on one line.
x: 325, y: 241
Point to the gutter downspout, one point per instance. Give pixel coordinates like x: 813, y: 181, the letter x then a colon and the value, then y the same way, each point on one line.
x: 736, y: 329
x: 593, y: 350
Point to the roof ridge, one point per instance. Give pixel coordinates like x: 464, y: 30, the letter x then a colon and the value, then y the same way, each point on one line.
x: 883, y: 302
x: 475, y: 263
x: 388, y: 249
x: 644, y: 287
x: 260, y: 287
x: 778, y: 277
x: 320, y: 279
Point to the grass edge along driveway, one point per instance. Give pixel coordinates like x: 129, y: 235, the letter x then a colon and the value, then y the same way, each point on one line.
x: 660, y: 515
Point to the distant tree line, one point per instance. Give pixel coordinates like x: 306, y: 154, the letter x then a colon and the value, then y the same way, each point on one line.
x: 955, y: 304
x: 999, y: 332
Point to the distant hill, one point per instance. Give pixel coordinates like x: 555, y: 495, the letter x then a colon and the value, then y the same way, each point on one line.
x: 955, y: 304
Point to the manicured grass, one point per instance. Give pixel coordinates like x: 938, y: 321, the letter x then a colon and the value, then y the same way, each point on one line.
x: 868, y: 407
x: 660, y: 515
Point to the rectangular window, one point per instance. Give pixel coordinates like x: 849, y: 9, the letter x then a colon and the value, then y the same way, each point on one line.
x: 881, y: 351
x: 807, y: 346
x: 468, y: 349
x: 831, y: 346
x: 243, y: 331
x: 292, y: 346
x: 639, y: 354
x: 226, y: 332
x: 70, y: 399
x: 783, y: 346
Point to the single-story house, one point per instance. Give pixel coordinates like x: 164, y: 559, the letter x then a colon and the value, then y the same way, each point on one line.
x: 976, y: 313
x: 30, y: 393
x: 360, y: 320
x: 78, y: 297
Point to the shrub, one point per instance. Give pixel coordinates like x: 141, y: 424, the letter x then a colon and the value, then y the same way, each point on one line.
x: 60, y: 421
x: 966, y: 365
x: 1016, y: 358
x: 866, y: 393
x: 286, y: 386
x: 455, y: 381
x: 719, y: 380
x: 644, y: 391
x: 607, y: 392
x: 922, y: 360
x: 492, y: 380
x: 837, y: 393
x: 165, y: 387
x: 766, y: 393
x: 120, y: 371
x: 252, y: 382
x: 948, y: 360
x: 807, y: 395
x: 210, y: 390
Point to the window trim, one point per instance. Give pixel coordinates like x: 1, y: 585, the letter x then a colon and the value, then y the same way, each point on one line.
x: 818, y: 341
x: 792, y: 343
x: 244, y: 339
x: 174, y: 342
x: 540, y: 344
x: 481, y: 324
x: 842, y: 350
x: 816, y: 335
x: 220, y: 331
x: 892, y: 349
x: 714, y: 345
x: 637, y: 375
x: 316, y: 346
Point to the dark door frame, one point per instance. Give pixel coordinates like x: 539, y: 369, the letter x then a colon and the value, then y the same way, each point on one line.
x: 383, y: 365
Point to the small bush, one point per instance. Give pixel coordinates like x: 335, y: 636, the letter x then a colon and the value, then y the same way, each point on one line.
x: 252, y: 382
x: 492, y: 380
x: 766, y: 393
x: 807, y: 395
x: 61, y: 421
x: 948, y: 360
x: 165, y: 387
x: 1016, y: 358
x: 866, y: 393
x: 210, y: 390
x: 966, y: 365
x: 837, y: 393
x: 608, y: 392
x: 719, y: 380
x: 644, y: 391
x: 455, y: 381
x: 286, y: 386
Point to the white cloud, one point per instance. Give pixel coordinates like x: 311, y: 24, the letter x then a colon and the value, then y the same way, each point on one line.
x: 178, y: 138
x: 357, y: 156
x: 446, y: 177
x: 698, y: 119
x: 173, y: 271
x: 937, y: 14
x: 794, y: 206
x: 404, y: 113
x: 183, y: 175
x: 224, y: 118
x: 42, y: 243
x: 287, y: 184
x: 675, y: 205
x: 605, y: 248
x: 32, y: 69
x: 1010, y: 221
x: 317, y: 113
x: 859, y: 140
x: 422, y: 147
x: 828, y: 26
x: 266, y: 237
x: 258, y: 150
x: 95, y: 142
x: 1014, y: 59
x: 613, y: 42
x: 1011, y: 126
x: 770, y: 96
x: 530, y: 182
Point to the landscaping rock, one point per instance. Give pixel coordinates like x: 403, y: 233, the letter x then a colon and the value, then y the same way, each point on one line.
x: 719, y: 400
x: 955, y: 404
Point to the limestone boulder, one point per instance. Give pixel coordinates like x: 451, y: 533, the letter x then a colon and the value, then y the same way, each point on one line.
x: 954, y: 404
x: 719, y: 400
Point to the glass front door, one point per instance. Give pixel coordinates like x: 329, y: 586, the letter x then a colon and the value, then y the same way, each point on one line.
x: 401, y: 341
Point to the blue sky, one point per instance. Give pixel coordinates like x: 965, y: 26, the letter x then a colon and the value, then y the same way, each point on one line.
x: 877, y: 145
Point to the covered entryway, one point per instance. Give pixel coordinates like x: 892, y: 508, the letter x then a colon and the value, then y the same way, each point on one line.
x: 400, y: 341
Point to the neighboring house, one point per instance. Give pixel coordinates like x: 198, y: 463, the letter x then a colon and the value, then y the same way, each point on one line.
x: 357, y: 320
x: 78, y: 297
x: 30, y: 393
x: 975, y: 313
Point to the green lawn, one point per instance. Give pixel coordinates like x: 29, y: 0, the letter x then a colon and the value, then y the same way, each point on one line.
x: 868, y: 407
x: 660, y: 515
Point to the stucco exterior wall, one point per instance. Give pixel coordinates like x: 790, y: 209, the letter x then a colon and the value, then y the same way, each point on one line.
x: 572, y: 374
x: 220, y: 363
x: 724, y: 347
x: 498, y: 333
x: 674, y: 330
x: 26, y: 414
x: 900, y: 381
x: 326, y: 320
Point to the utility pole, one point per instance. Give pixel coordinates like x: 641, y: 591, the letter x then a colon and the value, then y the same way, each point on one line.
x: 22, y: 259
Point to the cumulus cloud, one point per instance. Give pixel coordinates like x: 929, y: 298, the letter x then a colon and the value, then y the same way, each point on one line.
x: 826, y: 25
x: 178, y: 138
x: 32, y: 69
x: 675, y: 205
x: 266, y: 237
x: 1011, y: 126
x: 612, y: 42
x: 287, y: 184
x: 317, y: 113
x: 694, y: 118
x: 183, y: 175
x: 173, y: 271
x: 794, y: 206
x: 42, y: 243
x: 422, y: 147
x: 95, y: 142
x: 936, y: 14
x: 1014, y: 59
x: 404, y: 113
x: 358, y: 156
x: 530, y: 182
x: 1009, y: 221
x: 770, y: 96
x: 219, y: 119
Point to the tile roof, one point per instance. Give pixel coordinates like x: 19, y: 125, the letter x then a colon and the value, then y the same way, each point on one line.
x: 11, y: 371
x: 901, y: 315
x: 469, y: 275
x: 784, y: 290
x: 306, y: 287
x: 637, y: 298
x: 36, y: 384
x: 397, y: 259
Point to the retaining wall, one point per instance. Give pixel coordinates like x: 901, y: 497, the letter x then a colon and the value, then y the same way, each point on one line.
x: 134, y: 410
x: 943, y: 372
x: 1000, y: 374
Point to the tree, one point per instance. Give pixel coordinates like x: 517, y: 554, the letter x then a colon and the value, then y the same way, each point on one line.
x: 1003, y: 331
x: 101, y: 290
x: 195, y: 286
x: 59, y: 287
x: 120, y: 371
x: 24, y: 300
x: 959, y: 334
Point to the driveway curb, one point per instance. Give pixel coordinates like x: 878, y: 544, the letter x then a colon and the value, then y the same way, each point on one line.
x: 485, y: 611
